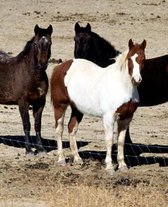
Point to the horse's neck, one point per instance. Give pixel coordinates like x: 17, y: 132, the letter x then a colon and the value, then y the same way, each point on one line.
x: 95, y: 50
x: 95, y: 56
x: 32, y: 65
x: 103, y: 47
x: 121, y: 65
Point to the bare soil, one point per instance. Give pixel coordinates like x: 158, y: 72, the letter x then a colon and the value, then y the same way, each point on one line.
x: 39, y: 181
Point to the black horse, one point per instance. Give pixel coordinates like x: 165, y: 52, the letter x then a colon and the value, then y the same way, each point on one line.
x: 24, y: 82
x: 153, y: 89
x: 91, y: 46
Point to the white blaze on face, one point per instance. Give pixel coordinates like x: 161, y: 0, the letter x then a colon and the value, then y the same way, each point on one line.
x: 136, y: 70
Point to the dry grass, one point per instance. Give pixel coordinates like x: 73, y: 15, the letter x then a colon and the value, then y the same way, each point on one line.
x: 89, y: 196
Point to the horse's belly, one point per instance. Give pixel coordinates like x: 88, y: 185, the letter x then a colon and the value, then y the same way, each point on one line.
x: 97, y: 103
x: 86, y: 105
x: 90, y: 110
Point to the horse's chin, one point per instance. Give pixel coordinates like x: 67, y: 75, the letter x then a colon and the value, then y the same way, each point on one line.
x: 42, y: 66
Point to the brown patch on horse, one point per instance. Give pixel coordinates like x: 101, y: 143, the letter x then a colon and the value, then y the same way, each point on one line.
x: 126, y: 110
x: 59, y: 95
x: 59, y: 92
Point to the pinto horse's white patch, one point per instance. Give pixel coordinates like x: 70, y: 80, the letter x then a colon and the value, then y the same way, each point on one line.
x: 136, y: 76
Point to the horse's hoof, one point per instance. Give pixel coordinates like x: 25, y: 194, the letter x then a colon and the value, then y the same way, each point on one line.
x: 78, y: 161
x: 40, y: 150
x: 40, y: 153
x: 30, y: 153
x: 110, y: 172
x: 61, y: 162
x: 123, y: 169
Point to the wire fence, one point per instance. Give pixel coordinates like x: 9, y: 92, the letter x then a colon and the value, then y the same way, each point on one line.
x: 135, y: 154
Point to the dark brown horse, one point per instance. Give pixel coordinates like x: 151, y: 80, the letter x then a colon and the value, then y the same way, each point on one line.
x: 24, y: 82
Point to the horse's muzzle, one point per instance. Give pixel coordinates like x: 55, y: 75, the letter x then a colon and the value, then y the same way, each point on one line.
x: 136, y: 80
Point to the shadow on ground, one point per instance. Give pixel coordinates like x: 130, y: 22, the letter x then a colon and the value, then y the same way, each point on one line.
x: 133, y: 151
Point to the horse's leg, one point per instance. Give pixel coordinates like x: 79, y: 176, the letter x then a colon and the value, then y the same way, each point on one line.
x: 74, y: 121
x: 24, y: 112
x: 127, y: 137
x: 122, y: 127
x: 37, y: 113
x: 59, y: 113
x: 108, y: 121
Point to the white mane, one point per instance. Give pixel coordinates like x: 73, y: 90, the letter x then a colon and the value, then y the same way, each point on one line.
x: 120, y: 59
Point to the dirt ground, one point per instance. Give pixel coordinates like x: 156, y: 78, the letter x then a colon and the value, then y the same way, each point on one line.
x: 39, y: 181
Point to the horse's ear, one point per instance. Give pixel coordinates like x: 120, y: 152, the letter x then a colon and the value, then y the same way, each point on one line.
x: 88, y: 27
x: 77, y: 27
x: 130, y: 44
x: 36, y: 29
x: 50, y: 29
x: 143, y: 44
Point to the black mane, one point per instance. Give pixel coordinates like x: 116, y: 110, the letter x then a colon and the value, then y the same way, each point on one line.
x: 5, y: 57
x: 25, y: 50
x: 103, y: 46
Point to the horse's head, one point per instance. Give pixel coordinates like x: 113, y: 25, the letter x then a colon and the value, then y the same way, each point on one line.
x: 82, y: 38
x: 136, y: 57
x: 42, y: 45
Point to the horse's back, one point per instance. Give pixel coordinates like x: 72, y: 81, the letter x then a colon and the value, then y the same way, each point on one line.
x: 6, y: 79
x: 71, y: 69
x: 83, y: 71
x: 158, y: 63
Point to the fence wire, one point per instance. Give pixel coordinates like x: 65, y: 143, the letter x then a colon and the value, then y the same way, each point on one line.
x: 135, y: 154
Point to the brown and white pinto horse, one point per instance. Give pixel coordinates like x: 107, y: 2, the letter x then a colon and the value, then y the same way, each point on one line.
x: 110, y: 93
